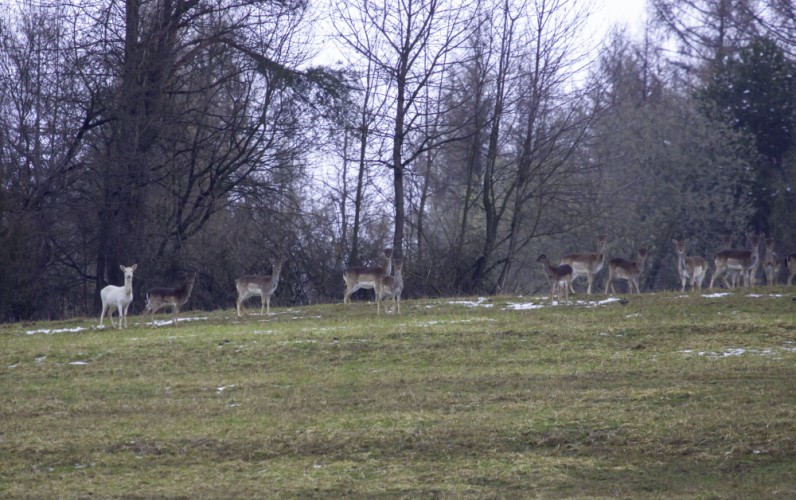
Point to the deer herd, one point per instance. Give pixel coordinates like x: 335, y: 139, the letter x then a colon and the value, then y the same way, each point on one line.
x: 732, y: 263
x: 734, y: 266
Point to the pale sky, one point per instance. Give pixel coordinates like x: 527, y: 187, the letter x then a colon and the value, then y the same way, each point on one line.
x: 627, y: 12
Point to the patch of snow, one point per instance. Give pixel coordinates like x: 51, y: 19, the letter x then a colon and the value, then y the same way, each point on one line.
x: 78, y: 363
x: 60, y: 330
x: 162, y: 322
x: 525, y: 307
x: 597, y: 302
x: 222, y: 388
x: 757, y: 295
x: 739, y: 351
x: 470, y: 303
x: 716, y: 295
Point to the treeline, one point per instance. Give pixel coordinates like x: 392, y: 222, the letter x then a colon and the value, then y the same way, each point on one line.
x: 202, y: 135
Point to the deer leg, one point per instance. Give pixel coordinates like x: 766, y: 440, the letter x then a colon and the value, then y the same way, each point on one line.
x: 110, y: 316
x: 121, y: 315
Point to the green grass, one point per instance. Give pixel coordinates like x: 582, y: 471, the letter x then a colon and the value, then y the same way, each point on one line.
x: 666, y: 396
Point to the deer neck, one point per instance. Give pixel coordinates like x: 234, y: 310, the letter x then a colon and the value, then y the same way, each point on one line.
x: 274, y: 279
x: 681, y: 263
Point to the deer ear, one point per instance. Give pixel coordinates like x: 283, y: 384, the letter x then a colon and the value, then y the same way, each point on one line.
x: 135, y: 266
x: 121, y: 267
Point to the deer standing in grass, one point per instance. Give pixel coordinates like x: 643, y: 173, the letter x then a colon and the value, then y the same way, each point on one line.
x: 689, y: 268
x: 392, y: 286
x: 732, y: 274
x: 166, y: 296
x: 743, y: 261
x: 586, y: 263
x: 629, y: 270
x: 367, y: 277
x: 254, y: 285
x: 119, y: 297
x: 558, y: 276
x: 771, y: 263
x: 790, y: 262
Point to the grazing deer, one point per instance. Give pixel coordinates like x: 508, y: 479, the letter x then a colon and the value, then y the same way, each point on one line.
x: 118, y: 296
x: 689, y: 268
x: 558, y: 276
x: 743, y: 261
x: 367, y: 277
x: 255, y: 285
x: 586, y: 263
x: 629, y: 270
x: 790, y: 262
x: 771, y: 263
x: 165, y: 296
x: 392, y: 286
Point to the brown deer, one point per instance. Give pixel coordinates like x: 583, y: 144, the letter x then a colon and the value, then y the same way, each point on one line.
x: 367, y: 277
x: 558, y: 276
x: 392, y: 286
x: 119, y: 297
x: 165, y: 296
x: 689, y: 268
x: 790, y: 262
x: 733, y: 276
x: 588, y: 263
x: 771, y: 263
x: 743, y: 261
x: 256, y: 285
x: 629, y: 270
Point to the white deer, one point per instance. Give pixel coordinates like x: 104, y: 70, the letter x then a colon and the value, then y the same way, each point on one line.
x: 255, y: 285
x: 119, y: 297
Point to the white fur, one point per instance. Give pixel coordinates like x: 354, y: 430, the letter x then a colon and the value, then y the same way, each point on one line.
x: 119, y: 297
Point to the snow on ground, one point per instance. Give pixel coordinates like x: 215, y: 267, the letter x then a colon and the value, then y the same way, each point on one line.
x: 470, y: 303
x: 163, y: 322
x: 538, y: 304
x: 59, y: 330
x: 739, y: 351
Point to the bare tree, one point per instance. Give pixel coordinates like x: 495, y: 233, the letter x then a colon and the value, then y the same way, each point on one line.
x: 411, y: 44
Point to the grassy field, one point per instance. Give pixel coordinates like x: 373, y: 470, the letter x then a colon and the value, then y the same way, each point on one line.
x: 668, y: 395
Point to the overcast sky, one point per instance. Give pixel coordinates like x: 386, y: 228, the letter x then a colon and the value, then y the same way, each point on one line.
x: 629, y: 12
